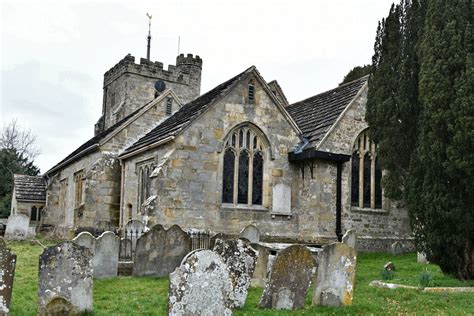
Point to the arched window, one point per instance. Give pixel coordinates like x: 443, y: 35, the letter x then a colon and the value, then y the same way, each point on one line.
x: 144, y: 182
x: 242, y: 181
x: 366, y: 174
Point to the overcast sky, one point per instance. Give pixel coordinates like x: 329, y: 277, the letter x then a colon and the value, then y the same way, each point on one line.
x: 54, y: 53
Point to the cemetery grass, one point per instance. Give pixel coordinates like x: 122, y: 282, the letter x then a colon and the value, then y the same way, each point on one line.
x: 148, y: 296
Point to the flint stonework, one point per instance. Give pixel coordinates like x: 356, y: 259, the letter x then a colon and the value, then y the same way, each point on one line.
x: 160, y: 251
x: 259, y: 277
x: 335, y: 274
x: 201, y: 285
x: 250, y: 233
x: 240, y: 259
x: 289, y: 279
x: 65, y: 279
x: 17, y: 227
x: 7, y: 273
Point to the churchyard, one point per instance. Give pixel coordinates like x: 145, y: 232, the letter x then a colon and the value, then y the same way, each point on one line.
x: 149, y: 295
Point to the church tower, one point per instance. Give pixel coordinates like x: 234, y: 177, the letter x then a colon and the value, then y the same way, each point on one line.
x: 128, y: 85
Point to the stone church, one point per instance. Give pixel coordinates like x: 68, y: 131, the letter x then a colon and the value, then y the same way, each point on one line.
x: 236, y: 155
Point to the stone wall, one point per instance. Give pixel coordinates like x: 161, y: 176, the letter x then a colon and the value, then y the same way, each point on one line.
x: 128, y: 86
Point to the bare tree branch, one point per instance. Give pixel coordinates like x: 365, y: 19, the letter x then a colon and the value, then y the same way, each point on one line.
x: 23, y: 141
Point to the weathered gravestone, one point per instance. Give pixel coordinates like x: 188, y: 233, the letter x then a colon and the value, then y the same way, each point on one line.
x: 105, y: 251
x: 335, y: 273
x: 397, y: 248
x: 65, y: 280
x: 17, y: 227
x: 259, y: 277
x: 7, y: 272
x: 251, y: 233
x: 213, y: 239
x: 201, y: 285
x: 160, y: 251
x: 350, y: 238
x: 240, y: 259
x: 421, y: 257
x: 289, y: 279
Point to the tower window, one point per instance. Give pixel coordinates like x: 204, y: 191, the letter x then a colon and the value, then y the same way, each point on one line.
x: 169, y: 106
x: 251, y: 92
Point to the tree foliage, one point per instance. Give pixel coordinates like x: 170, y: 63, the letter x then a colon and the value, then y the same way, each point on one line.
x: 356, y: 73
x: 421, y: 113
x: 17, y: 151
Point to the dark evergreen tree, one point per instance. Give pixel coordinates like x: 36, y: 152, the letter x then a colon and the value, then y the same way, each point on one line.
x: 12, y: 162
x: 440, y: 196
x: 356, y: 73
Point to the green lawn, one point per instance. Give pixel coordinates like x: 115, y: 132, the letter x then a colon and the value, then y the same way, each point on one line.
x: 148, y: 296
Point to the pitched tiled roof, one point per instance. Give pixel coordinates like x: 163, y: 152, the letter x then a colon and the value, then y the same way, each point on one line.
x: 29, y: 188
x: 274, y: 85
x: 81, y: 150
x: 185, y: 115
x: 315, y: 115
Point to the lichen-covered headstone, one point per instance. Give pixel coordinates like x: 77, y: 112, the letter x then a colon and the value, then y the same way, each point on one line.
x: 17, y: 227
x: 289, y: 279
x: 251, y: 233
x: 106, y: 252
x: 240, y: 259
x: 350, y: 238
x: 259, y: 277
x: 335, y: 274
x: 160, y: 251
x: 65, y: 279
x: 7, y: 272
x: 201, y: 285
x: 213, y: 239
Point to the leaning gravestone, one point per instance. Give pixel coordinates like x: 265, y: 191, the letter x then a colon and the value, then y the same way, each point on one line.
x: 201, y: 285
x: 335, y: 273
x: 251, y: 233
x: 7, y: 272
x: 65, y: 280
x: 160, y: 251
x: 17, y: 227
x: 350, y: 238
x: 289, y: 279
x: 105, y: 251
x: 259, y: 277
x: 240, y: 259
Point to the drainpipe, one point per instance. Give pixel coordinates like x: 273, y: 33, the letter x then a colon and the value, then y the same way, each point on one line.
x: 339, y: 201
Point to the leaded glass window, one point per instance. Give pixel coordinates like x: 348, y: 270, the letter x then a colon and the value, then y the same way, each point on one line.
x: 366, y: 174
x: 242, y: 181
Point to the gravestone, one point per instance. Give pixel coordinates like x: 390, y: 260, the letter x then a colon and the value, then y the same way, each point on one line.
x: 105, y: 251
x: 335, y: 274
x: 222, y: 236
x: 201, y: 285
x: 17, y: 227
x: 160, y: 251
x: 65, y: 279
x: 350, y: 238
x: 289, y: 279
x: 259, y: 277
x: 240, y: 259
x: 7, y: 272
x: 421, y: 258
x: 397, y: 248
x: 250, y: 233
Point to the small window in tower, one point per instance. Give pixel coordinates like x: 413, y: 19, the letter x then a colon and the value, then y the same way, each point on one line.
x: 251, y: 92
x: 169, y: 106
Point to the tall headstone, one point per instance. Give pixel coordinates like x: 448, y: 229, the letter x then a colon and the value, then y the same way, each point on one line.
x: 289, y: 279
x: 17, y: 227
x: 201, y: 285
x: 350, y: 238
x: 160, y: 251
x: 240, y: 259
x: 335, y: 274
x: 106, y: 252
x: 65, y: 280
x: 7, y: 272
x: 259, y: 277
x: 251, y: 233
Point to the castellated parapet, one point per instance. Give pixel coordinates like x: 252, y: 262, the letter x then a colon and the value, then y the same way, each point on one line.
x: 128, y: 85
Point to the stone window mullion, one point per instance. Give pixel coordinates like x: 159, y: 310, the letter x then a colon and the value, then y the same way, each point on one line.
x: 361, y: 178
x: 236, y: 176
x: 250, y: 178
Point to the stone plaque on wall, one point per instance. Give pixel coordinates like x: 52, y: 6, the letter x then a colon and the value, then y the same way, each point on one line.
x: 281, y: 199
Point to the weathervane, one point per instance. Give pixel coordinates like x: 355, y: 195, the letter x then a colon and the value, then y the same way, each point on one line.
x: 149, y: 36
